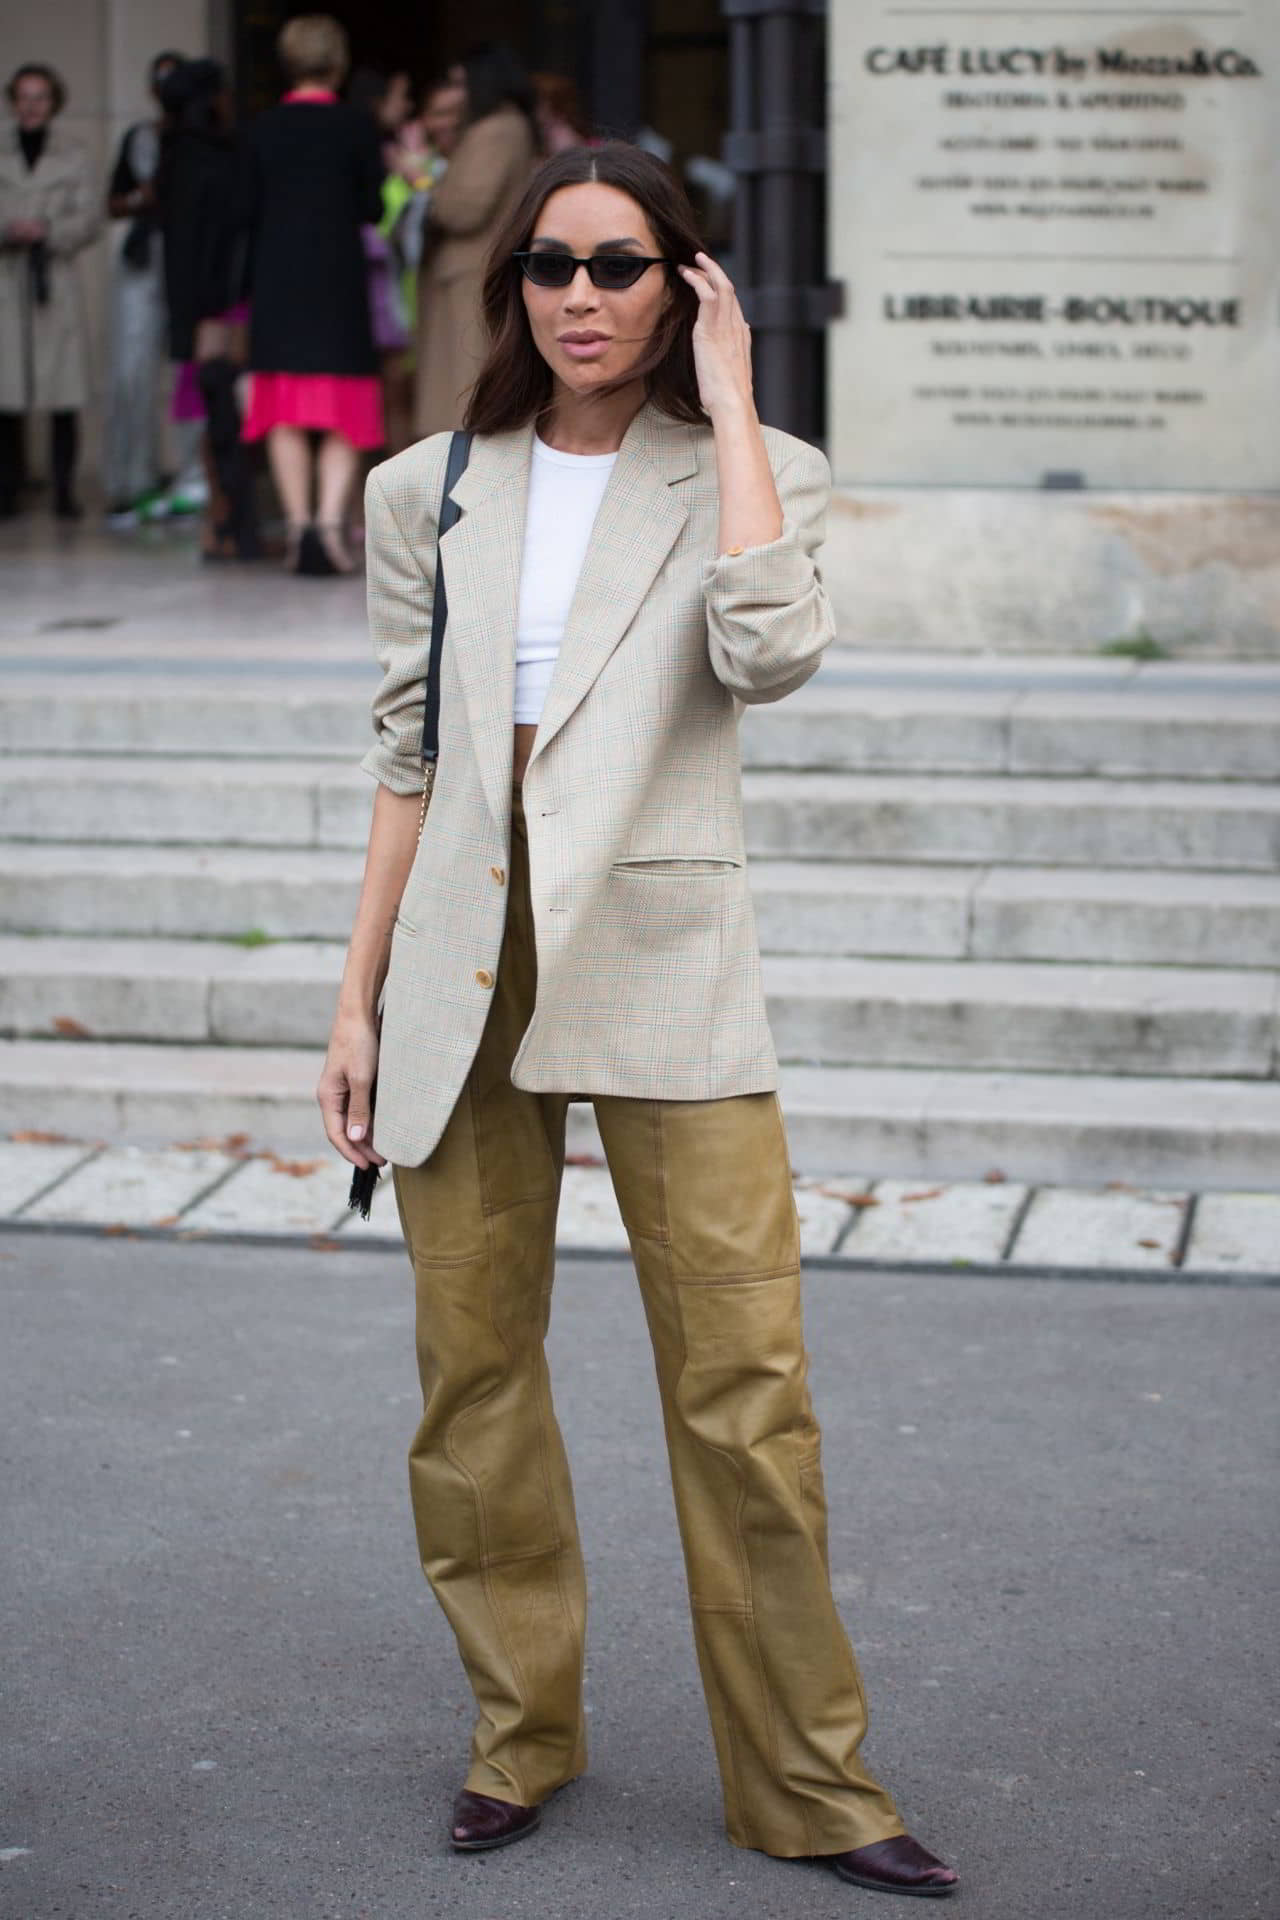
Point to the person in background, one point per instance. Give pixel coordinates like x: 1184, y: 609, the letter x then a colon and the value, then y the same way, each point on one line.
x: 425, y: 148
x: 560, y: 115
x: 386, y: 97
x: 488, y: 172
x: 131, y: 457
x: 203, y: 273
x: 48, y: 214
x: 418, y: 164
x: 313, y: 179
x: 444, y: 108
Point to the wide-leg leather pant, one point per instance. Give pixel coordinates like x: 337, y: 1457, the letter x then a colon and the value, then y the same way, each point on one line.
x: 705, y: 1191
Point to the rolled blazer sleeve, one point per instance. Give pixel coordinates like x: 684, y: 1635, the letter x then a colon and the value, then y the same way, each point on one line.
x: 768, y: 616
x: 400, y: 589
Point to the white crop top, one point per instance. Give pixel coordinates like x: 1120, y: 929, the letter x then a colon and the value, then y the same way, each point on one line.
x: 565, y: 491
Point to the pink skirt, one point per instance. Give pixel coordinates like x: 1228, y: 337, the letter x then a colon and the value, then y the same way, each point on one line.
x: 345, y: 403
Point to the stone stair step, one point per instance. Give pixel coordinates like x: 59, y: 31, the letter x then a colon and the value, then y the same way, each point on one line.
x: 301, y: 893
x: 144, y: 1095
x: 1000, y: 1016
x: 1122, y: 917
x: 1072, y: 822
x: 1087, y: 1129
x: 845, y: 720
x: 1160, y: 918
x: 919, y: 1125
x: 915, y: 1013
x: 882, y: 817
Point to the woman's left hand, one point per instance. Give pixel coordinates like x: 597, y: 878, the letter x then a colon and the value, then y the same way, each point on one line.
x: 721, y: 339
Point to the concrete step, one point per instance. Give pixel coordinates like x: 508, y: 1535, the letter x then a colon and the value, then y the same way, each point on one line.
x: 299, y: 893
x: 917, y: 1013
x: 1040, y: 1128
x: 1124, y: 917
x: 890, y: 817
x: 1104, y: 823
x: 915, y: 1124
x: 846, y: 720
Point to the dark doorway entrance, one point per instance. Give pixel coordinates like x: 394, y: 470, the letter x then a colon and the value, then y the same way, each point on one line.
x: 661, y: 64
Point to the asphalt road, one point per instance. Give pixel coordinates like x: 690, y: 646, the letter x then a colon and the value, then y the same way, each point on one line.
x: 229, y: 1695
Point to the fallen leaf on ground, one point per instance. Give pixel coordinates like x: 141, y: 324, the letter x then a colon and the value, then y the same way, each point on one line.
x: 71, y: 1029
x: 583, y: 1160
x: 296, y: 1169
x: 35, y: 1136
x: 169, y: 1220
x: 321, y: 1243
x: 929, y: 1193
x: 862, y: 1199
x: 1149, y: 1243
x: 995, y: 1178
x: 118, y: 1230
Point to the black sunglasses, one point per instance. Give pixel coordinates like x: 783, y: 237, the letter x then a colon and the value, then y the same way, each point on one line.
x: 609, y: 271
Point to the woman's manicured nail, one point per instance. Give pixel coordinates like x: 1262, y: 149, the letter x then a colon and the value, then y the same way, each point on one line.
x: 356, y: 1132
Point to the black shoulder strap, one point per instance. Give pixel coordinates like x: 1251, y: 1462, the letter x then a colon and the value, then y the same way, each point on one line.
x: 455, y: 466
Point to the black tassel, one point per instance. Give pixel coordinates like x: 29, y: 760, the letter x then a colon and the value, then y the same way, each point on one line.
x: 360, y: 1198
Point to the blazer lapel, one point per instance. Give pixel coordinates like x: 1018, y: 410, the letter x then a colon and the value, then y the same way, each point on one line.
x: 637, y: 526
x: 481, y: 558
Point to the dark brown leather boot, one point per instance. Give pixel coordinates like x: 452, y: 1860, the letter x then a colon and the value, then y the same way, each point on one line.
x: 480, y: 1823
x: 900, y: 1865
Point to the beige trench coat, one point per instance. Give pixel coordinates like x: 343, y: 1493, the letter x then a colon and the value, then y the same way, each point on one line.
x: 486, y: 176
x: 648, y: 967
x: 44, y: 354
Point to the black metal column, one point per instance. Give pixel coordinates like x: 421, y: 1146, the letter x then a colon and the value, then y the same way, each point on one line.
x: 777, y: 146
x: 619, y: 38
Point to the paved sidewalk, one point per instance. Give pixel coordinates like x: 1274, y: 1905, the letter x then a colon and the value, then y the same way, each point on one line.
x: 231, y: 1698
x: 220, y: 1188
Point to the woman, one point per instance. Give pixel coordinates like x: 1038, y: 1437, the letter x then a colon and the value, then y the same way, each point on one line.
x: 131, y: 459
x: 634, y: 558
x: 314, y: 179
x: 488, y: 172
x: 48, y: 214
x: 203, y: 275
x: 388, y: 101
x: 559, y: 114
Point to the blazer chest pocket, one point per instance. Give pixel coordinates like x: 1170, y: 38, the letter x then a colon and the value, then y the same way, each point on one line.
x: 677, y: 866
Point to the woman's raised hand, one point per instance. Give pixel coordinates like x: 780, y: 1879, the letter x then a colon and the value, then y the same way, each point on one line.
x: 345, y: 1091
x: 721, y: 339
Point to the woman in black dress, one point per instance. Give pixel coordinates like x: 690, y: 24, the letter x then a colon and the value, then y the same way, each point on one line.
x: 313, y: 178
x: 203, y: 274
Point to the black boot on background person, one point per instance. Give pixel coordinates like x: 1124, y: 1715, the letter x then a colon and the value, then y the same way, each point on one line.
x: 64, y: 444
x: 10, y: 464
x: 230, y: 458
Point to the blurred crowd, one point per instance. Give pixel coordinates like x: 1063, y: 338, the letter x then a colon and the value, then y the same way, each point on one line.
x: 309, y: 283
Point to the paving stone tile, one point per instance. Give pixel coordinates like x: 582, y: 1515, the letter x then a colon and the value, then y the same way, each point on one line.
x: 824, y: 1213
x: 589, y: 1214
x: 275, y: 1195
x: 131, y: 1186
x: 968, y: 1221
x: 1110, y: 1227
x: 26, y: 1166
x: 1239, y: 1231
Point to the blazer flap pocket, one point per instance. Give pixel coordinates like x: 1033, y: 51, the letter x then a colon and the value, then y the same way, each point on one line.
x: 678, y: 866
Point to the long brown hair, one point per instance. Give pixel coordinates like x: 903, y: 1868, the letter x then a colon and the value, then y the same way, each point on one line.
x: 515, y: 385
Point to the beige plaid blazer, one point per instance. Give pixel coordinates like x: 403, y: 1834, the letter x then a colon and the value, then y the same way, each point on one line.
x: 648, y: 966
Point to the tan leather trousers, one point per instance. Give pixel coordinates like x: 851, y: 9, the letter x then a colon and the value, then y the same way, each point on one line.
x: 705, y: 1191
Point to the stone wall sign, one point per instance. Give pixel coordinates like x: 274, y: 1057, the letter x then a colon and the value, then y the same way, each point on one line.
x: 1058, y: 228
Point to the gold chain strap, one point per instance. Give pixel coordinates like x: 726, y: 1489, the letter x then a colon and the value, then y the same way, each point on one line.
x: 428, y: 781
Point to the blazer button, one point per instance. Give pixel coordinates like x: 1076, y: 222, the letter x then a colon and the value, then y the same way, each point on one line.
x: 497, y: 874
x: 484, y: 978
